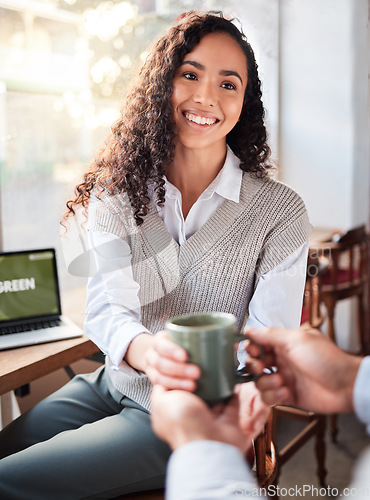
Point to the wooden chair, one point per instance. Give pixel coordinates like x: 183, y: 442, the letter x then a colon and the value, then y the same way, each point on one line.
x: 311, y: 309
x: 315, y: 423
x: 315, y: 428
x: 263, y: 462
x: 265, y: 456
x: 347, y: 259
x: 347, y: 275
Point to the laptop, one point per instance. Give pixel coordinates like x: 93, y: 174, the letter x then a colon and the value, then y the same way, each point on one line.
x: 30, y: 309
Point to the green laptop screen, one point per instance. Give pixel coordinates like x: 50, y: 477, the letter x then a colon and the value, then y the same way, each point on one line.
x: 28, y: 286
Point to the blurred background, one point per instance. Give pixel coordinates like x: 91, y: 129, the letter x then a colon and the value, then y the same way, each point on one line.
x: 65, y: 66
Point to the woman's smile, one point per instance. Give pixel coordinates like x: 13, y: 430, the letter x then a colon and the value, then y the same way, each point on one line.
x: 200, y: 119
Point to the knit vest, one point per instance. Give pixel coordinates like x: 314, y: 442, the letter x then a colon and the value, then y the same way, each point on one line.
x: 216, y: 269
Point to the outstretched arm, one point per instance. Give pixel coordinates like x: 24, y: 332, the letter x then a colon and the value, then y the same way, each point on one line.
x: 312, y: 372
x: 210, y: 444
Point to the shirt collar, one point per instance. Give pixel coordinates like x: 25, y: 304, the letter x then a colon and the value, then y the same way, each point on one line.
x: 229, y: 180
x: 227, y: 183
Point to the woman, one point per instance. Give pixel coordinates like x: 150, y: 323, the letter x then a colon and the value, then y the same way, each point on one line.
x: 182, y: 217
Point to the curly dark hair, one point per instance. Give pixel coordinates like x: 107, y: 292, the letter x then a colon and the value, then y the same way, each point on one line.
x: 141, y: 143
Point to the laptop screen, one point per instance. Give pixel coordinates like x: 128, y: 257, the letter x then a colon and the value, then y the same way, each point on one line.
x: 28, y: 285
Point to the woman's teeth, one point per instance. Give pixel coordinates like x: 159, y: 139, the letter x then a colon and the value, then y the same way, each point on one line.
x: 200, y: 120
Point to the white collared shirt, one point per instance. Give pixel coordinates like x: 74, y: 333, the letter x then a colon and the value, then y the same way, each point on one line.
x: 226, y: 186
x: 361, y: 393
x: 113, y: 316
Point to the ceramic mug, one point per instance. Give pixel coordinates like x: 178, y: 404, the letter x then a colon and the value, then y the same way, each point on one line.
x: 209, y: 339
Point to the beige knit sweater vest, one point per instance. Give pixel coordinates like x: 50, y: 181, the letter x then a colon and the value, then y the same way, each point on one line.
x: 216, y: 269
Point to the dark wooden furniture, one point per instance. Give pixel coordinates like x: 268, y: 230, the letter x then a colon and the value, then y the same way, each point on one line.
x: 347, y: 275
x: 315, y: 424
x: 347, y: 259
x: 266, y: 458
x: 315, y: 427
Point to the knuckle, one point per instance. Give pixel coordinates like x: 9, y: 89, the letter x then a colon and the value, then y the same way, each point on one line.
x: 153, y: 377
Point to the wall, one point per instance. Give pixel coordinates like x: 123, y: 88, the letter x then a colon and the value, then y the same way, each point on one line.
x: 260, y: 23
x: 313, y: 63
x: 360, y: 100
x: 324, y: 137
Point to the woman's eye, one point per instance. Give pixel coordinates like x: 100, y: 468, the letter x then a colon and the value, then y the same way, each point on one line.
x: 189, y: 76
x: 228, y: 86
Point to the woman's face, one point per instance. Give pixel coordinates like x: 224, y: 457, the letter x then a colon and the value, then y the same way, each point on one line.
x: 208, y: 91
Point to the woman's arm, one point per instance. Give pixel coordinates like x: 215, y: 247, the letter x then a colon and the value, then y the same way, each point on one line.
x: 278, y: 298
x: 113, y: 316
x: 113, y: 319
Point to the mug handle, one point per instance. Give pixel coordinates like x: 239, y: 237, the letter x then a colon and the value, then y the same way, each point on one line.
x: 249, y: 377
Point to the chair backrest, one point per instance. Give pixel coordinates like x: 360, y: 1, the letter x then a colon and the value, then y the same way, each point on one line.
x: 348, y: 260
x: 311, y: 312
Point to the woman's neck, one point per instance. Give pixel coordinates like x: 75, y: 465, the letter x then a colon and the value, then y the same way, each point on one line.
x: 192, y: 171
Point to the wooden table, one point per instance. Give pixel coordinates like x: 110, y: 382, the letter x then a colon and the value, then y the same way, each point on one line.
x: 25, y: 364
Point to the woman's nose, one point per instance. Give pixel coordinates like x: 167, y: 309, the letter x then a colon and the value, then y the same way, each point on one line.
x: 205, y: 94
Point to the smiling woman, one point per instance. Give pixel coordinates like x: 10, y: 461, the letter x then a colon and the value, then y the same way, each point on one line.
x: 141, y: 148
x: 207, y: 99
x: 183, y: 184
x: 208, y: 90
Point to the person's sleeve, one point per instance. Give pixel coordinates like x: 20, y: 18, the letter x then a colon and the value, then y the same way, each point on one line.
x: 361, y: 393
x: 360, y: 485
x: 113, y: 315
x: 209, y: 470
x: 277, y: 300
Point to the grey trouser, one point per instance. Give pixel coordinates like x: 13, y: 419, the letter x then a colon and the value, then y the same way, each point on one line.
x: 81, y: 442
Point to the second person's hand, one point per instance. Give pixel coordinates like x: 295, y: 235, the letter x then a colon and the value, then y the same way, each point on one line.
x: 312, y: 372
x: 179, y: 417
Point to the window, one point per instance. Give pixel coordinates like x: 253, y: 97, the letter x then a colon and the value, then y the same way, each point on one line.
x: 65, y: 67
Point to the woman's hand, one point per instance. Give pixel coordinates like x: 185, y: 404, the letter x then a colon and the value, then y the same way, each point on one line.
x: 163, y: 361
x: 166, y: 364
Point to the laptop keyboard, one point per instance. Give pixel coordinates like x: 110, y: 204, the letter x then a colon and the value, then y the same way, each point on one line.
x: 40, y: 325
